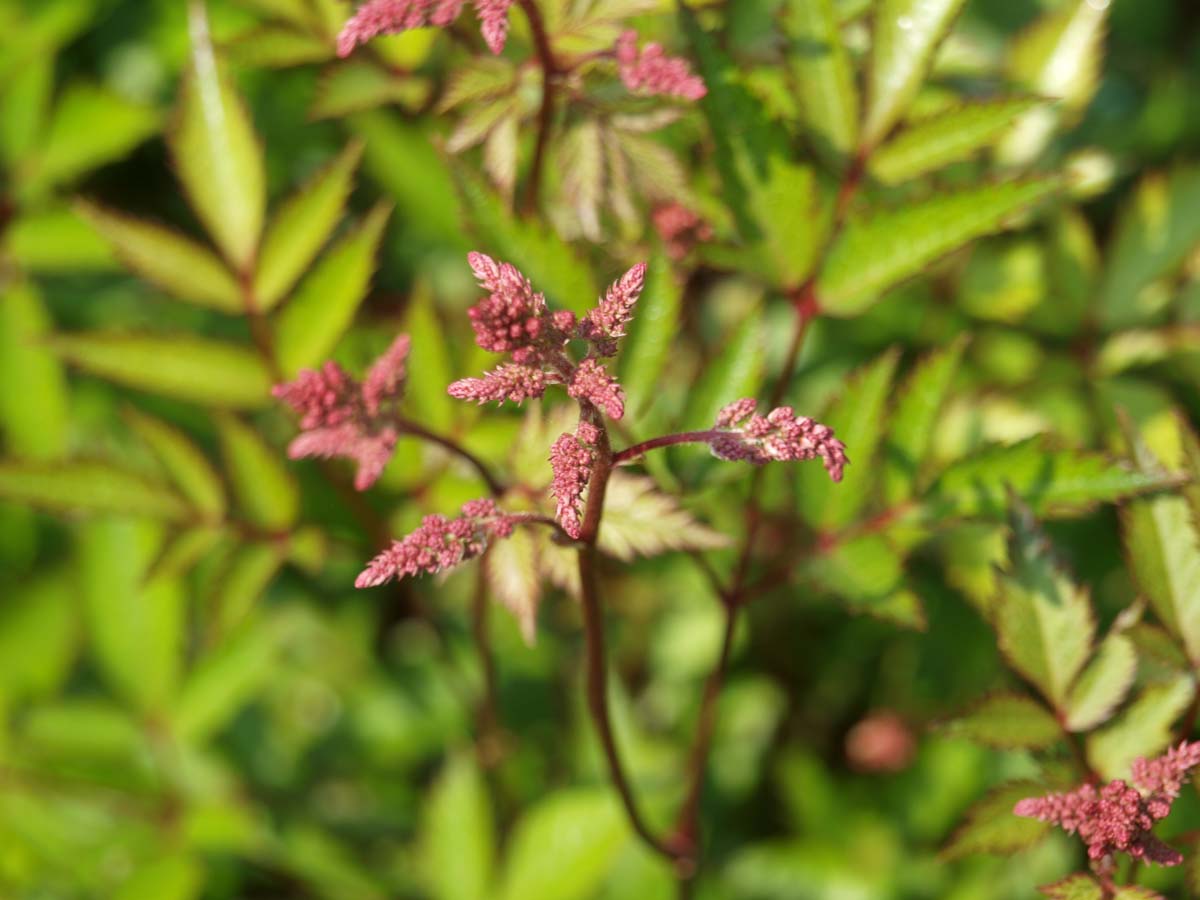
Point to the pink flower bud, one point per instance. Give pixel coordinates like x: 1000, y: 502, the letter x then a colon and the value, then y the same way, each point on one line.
x: 615, y: 310
x: 591, y: 382
x: 379, y: 17
x: 571, y: 459
x: 507, y: 382
x: 780, y: 435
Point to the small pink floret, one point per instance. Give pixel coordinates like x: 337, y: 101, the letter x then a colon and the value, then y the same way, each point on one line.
x: 781, y: 436
x: 651, y: 71
x: 380, y: 17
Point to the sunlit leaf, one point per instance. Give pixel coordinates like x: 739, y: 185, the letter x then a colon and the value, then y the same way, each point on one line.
x: 174, y: 877
x: 823, y: 76
x: 1074, y: 887
x: 1143, y: 729
x: 24, y: 105
x: 457, y: 836
x: 38, y: 636
x: 33, y: 417
x: 56, y: 239
x: 262, y: 485
x: 991, y: 827
x: 278, y: 46
x: 1140, y: 347
x: 1007, y: 721
x: 640, y: 521
x: 87, y: 487
x: 184, y: 462
x: 1102, y: 686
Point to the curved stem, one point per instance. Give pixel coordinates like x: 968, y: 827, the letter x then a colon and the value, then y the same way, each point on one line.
x: 541, y: 42
x: 637, y: 451
x: 407, y: 426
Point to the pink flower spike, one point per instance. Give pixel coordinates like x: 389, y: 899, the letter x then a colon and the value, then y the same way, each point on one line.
x: 651, y: 71
x: 324, y: 398
x: 378, y: 17
x: 1167, y: 774
x: 571, y: 459
x: 781, y: 435
x: 385, y: 378
x: 509, y: 381
x: 615, y: 310
x: 493, y: 22
x: 591, y: 382
x: 510, y: 318
x: 371, y: 452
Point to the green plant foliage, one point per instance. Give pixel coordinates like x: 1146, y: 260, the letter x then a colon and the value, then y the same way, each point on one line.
x: 1008, y: 721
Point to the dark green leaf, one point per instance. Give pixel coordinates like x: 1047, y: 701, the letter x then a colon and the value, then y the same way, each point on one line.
x: 823, y: 76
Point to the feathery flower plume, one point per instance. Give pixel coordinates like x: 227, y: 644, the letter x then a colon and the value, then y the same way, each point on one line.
x: 780, y: 435
x: 340, y: 417
x: 1118, y: 817
x: 510, y: 381
x: 680, y: 228
x: 378, y: 17
x: 592, y: 382
x: 610, y: 316
x: 651, y: 71
x: 439, y: 543
x: 571, y: 459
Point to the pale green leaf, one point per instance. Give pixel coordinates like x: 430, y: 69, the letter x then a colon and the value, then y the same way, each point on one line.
x: 878, y: 251
x: 515, y: 580
x: 39, y: 632
x: 184, y: 550
x: 358, y: 85
x: 457, y: 833
x: 647, y: 347
x: 87, y: 487
x: 1074, y: 887
x: 1141, y: 347
x: 914, y: 420
x: 184, y: 462
x: 323, y: 306
x: 55, y: 239
x: 1161, y: 539
x: 1053, y: 482
x: 904, y: 36
x: 1143, y: 729
x: 733, y: 373
x: 1102, y: 686
x: 1044, y: 621
x: 264, y: 489
x: 33, y: 418
x: 1137, y: 892
x: 216, y: 151
x: 182, y: 267
x: 1007, y: 721
x: 867, y: 574
x: 245, y: 579
x: 563, y: 847
x: 581, y: 161
x: 482, y: 78
x: 173, y: 877
x: 188, y: 368
x: 640, y: 521
x: 24, y: 104
x: 991, y: 827
x: 949, y: 136
x: 823, y: 76
x: 858, y: 419
x: 278, y: 46
x: 302, y: 226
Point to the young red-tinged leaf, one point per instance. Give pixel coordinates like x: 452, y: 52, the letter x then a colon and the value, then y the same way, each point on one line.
x: 1103, y: 685
x: 1007, y: 721
x: 1079, y: 886
x: 357, y: 85
x: 914, y: 418
x: 247, y: 575
x: 302, y: 226
x: 954, y: 134
x: 88, y: 487
x: 733, y: 373
x: 858, y: 420
x: 323, y: 306
x: 1052, y: 482
x: 1143, y: 729
x: 180, y: 266
x: 184, y: 462
x: 33, y: 417
x: 1163, y: 547
x: 991, y: 827
x: 881, y: 249
x: 1044, y: 621
x: 216, y: 151
x: 514, y: 576
x: 197, y: 369
x: 824, y: 76
x: 654, y: 327
x: 904, y: 36
x: 640, y: 521
x: 265, y: 490
x: 458, y: 842
x: 867, y: 574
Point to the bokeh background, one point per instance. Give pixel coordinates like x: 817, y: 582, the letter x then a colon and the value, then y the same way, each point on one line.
x: 199, y: 704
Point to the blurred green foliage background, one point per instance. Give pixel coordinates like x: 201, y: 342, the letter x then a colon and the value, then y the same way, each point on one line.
x: 195, y: 703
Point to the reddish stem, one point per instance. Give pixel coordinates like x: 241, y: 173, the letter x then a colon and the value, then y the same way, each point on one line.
x: 549, y: 64
x: 637, y: 451
x: 494, y: 485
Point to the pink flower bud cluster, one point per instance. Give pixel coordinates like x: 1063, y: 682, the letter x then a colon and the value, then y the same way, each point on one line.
x: 439, y: 543
x: 1118, y: 817
x: 378, y: 17
x: 339, y: 417
x: 680, y: 228
x: 780, y: 435
x: 514, y: 319
x: 571, y: 458
x: 651, y: 71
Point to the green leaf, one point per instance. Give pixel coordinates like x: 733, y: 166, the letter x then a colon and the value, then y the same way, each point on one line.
x: 971, y: 554
x: 458, y: 844
x: 88, y: 487
x: 876, y: 252
x: 24, y: 105
x: 278, y: 46
x: 905, y: 34
x: 1074, y: 887
x: 1155, y: 233
x: 914, y: 419
x: 181, y: 366
x: 311, y: 324
x: 954, y: 134
x: 90, y: 126
x: 1044, y: 621
x: 264, y: 488
x: 33, y: 418
x: 1163, y: 545
x: 640, y: 521
x: 1102, y: 686
x: 868, y: 575
x: 514, y: 577
x: 302, y: 226
x: 857, y: 419
x: 563, y: 847
x: 655, y: 325
x: 1143, y: 729
x: 1053, y: 482
x: 136, y: 627
x: 1137, y: 892
x: 55, y: 239
x: 174, y: 877
x: 733, y: 373
x: 184, y: 462
x: 357, y: 85
x: 425, y: 396
x: 823, y: 76
x: 183, y: 268
x: 245, y: 579
x: 991, y: 827
x: 216, y: 151
x: 1009, y: 722
x: 39, y: 631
